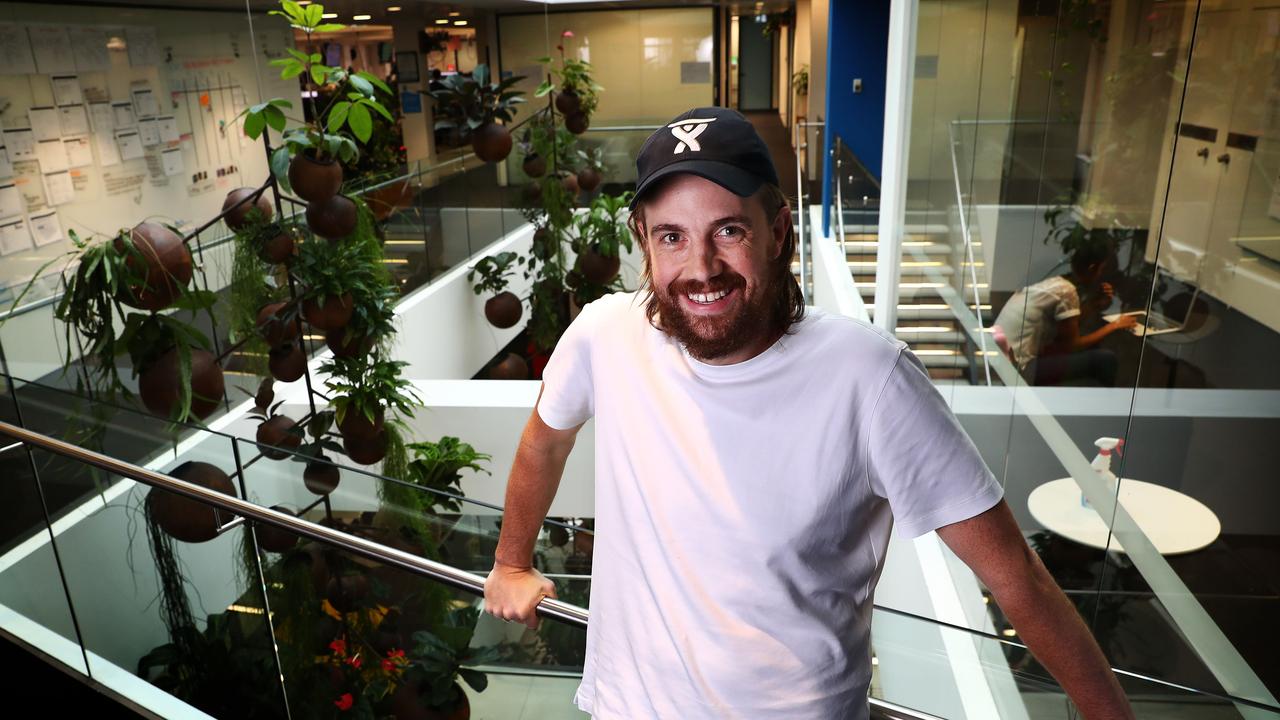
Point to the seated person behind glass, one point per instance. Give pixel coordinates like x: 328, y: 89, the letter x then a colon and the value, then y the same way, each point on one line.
x: 1040, y: 325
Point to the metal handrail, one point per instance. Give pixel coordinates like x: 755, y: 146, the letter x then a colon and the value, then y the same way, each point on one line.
x: 968, y: 252
x: 446, y: 574
x: 460, y: 579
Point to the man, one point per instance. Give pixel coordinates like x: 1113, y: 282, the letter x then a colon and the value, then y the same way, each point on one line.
x: 1040, y: 325
x: 751, y: 459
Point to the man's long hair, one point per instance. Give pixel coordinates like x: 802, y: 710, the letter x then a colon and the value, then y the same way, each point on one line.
x: 787, y: 308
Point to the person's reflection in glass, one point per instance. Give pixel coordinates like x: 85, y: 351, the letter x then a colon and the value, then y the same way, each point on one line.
x: 1039, y: 328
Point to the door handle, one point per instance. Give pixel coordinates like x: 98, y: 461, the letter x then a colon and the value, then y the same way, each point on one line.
x: 1225, y: 158
x: 1203, y: 153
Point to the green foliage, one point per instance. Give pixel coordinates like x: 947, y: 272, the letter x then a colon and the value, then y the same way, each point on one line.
x: 574, y: 76
x: 604, y: 226
x: 248, y: 290
x: 493, y: 272
x: 443, y: 657
x: 437, y: 466
x: 348, y: 114
x: 546, y: 137
x: 368, y: 386
x: 329, y: 269
x: 800, y: 80
x: 467, y: 102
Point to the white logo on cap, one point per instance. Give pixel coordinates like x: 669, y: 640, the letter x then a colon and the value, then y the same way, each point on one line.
x: 687, y: 132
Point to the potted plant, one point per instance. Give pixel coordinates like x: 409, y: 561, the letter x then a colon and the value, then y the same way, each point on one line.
x: 800, y: 81
x: 160, y: 260
x: 578, y: 94
x: 178, y: 377
x: 602, y: 233
x: 363, y: 390
x: 372, y: 321
x: 308, y: 160
x: 246, y: 205
x: 277, y: 435
x: 331, y: 276
x: 182, y: 518
x: 438, y: 467
x: 438, y: 661
x: 503, y: 310
x: 589, y: 173
x: 320, y: 475
x: 474, y: 105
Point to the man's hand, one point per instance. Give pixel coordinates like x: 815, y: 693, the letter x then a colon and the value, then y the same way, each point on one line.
x: 513, y: 593
x: 1123, y: 322
x: 993, y: 547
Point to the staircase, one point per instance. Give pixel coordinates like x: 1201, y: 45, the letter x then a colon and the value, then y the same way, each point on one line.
x: 929, y: 260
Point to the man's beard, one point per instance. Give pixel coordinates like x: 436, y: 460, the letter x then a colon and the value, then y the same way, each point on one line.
x: 709, y: 338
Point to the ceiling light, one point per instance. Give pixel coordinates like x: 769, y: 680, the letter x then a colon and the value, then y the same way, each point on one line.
x: 361, y: 17
x: 442, y: 21
x: 459, y: 22
x: 455, y: 13
x: 394, y: 8
x: 329, y: 16
x: 1008, y: 632
x: 304, y: 2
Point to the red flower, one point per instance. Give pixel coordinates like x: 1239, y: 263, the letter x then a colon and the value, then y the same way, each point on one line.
x: 339, y: 646
x: 388, y: 666
x: 354, y: 661
x: 345, y: 702
x: 395, y: 653
x: 567, y: 33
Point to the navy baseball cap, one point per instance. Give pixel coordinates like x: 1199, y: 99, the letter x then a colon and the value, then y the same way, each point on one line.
x: 715, y: 143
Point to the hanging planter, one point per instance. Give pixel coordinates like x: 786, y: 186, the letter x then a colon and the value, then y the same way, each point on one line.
x: 314, y: 180
x: 162, y: 259
x: 598, y: 268
x: 320, y: 476
x: 491, y: 142
x: 409, y: 702
x: 503, y: 310
x: 332, y: 219
x: 160, y: 385
x: 477, y: 105
x: 359, y: 425
x: 534, y: 165
x: 490, y: 274
x: 277, y: 435
x: 568, y: 102
x: 589, y: 175
x: 246, y: 211
x: 589, y: 179
x: 278, y: 245
x: 287, y: 363
x: 275, y: 539
x: 331, y: 312
x: 365, y: 450
x: 570, y: 183
x: 276, y: 325
x: 183, y: 518
x: 343, y: 347
x: 510, y: 367
x: 577, y: 123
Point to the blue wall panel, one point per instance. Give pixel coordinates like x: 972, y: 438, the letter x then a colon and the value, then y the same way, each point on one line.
x: 857, y: 45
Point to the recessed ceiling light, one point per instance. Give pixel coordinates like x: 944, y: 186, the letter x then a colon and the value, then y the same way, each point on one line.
x: 455, y: 13
x: 361, y: 17
x: 329, y: 16
x: 459, y: 22
x: 394, y: 8
x: 442, y: 21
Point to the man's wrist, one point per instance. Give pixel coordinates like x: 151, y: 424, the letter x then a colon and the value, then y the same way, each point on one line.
x: 507, y: 564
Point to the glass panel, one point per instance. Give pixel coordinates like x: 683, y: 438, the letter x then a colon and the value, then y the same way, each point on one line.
x: 956, y: 673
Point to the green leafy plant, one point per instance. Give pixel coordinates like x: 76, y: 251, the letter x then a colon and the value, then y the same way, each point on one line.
x: 441, y: 658
x: 437, y: 466
x: 467, y: 102
x: 800, y: 80
x: 345, y: 118
x: 603, y: 227
x: 572, y: 76
x: 368, y: 387
x: 326, y: 270
x: 492, y: 272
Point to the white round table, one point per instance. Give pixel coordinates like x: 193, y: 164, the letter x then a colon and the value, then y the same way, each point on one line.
x: 1175, y: 523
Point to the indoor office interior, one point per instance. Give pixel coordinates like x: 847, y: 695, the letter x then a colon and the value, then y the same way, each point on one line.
x: 1069, y: 211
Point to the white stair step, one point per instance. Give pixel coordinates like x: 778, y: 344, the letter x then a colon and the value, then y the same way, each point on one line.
x: 866, y: 269
x: 869, y: 247
x: 926, y: 311
x: 919, y: 290
x: 939, y: 335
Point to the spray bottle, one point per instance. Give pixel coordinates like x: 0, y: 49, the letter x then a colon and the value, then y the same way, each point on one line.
x: 1102, y: 464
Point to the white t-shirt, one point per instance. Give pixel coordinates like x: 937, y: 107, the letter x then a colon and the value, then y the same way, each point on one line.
x: 1030, y: 318
x: 743, y: 511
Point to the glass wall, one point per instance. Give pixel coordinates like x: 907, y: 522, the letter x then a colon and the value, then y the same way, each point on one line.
x: 1100, y: 184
